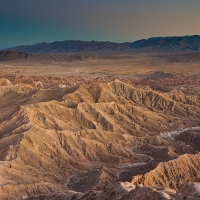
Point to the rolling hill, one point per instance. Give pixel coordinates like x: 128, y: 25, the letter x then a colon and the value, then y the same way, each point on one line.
x: 87, y: 141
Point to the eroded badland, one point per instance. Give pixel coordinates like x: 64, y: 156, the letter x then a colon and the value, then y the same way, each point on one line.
x: 100, y: 126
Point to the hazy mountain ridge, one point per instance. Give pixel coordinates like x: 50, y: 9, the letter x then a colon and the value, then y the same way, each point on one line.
x: 182, y: 43
x: 71, y: 46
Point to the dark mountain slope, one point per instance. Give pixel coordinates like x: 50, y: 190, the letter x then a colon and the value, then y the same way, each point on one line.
x: 183, y: 43
x: 9, y: 55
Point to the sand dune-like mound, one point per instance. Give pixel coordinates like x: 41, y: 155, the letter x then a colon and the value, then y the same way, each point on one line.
x: 62, y: 143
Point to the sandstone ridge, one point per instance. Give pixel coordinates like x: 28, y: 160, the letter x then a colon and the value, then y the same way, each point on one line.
x: 88, y: 141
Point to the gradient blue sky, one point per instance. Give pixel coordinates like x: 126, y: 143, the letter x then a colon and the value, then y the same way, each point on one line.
x: 33, y: 21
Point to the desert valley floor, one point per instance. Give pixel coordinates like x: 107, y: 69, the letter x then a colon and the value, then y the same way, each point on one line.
x: 109, y: 126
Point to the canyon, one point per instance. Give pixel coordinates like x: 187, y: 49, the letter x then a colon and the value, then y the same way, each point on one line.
x: 113, y: 125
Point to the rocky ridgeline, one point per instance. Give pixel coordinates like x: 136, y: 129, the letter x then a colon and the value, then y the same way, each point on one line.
x: 182, y: 43
x: 79, y: 141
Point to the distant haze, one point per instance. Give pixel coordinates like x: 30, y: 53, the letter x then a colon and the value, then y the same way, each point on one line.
x: 29, y: 22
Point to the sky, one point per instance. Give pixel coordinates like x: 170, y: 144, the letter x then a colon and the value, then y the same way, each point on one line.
x: 32, y: 21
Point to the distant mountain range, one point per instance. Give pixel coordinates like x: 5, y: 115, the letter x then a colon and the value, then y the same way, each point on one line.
x: 183, y: 43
